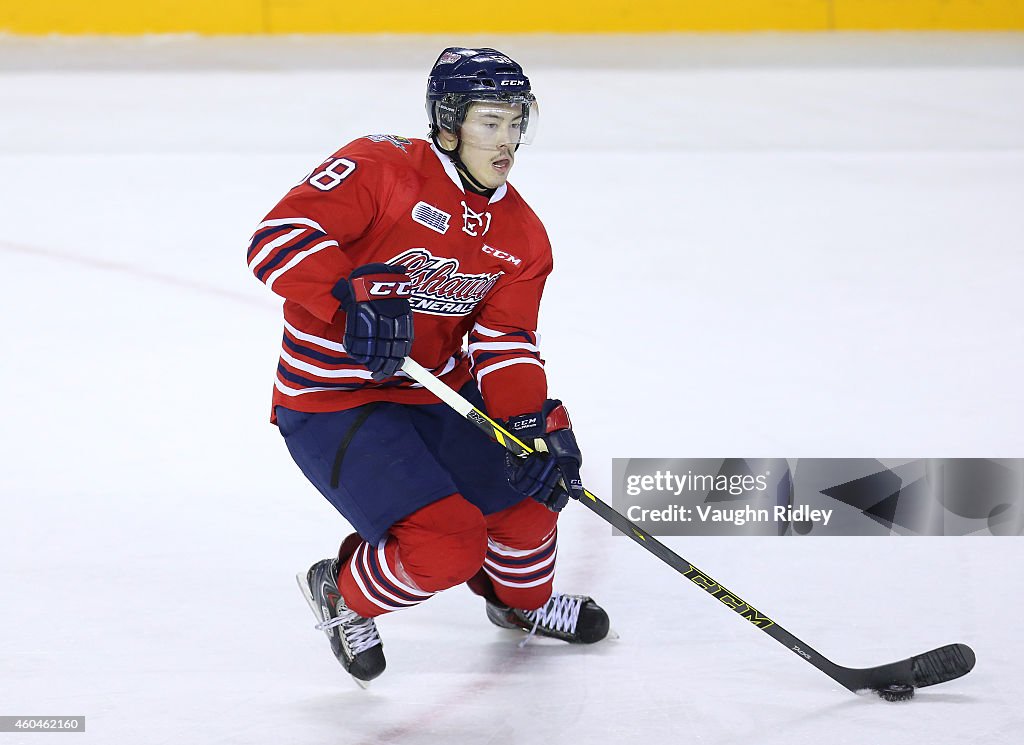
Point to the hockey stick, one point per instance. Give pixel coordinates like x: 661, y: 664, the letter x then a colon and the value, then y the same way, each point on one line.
x: 895, y: 681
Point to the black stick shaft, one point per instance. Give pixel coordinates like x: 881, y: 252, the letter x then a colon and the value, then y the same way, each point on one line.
x: 728, y: 598
x: 937, y: 666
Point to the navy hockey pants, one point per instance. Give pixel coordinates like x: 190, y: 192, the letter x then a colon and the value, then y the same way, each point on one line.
x: 380, y: 462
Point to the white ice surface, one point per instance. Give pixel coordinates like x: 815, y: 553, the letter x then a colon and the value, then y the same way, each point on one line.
x: 765, y: 246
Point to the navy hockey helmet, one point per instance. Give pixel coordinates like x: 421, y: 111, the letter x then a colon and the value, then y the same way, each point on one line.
x: 461, y: 76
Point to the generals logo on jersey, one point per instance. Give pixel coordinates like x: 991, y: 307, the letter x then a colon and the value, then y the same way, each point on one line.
x: 399, y: 142
x: 371, y: 202
x: 437, y: 286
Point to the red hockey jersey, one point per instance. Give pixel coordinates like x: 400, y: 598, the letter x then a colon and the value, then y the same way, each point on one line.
x: 478, y: 268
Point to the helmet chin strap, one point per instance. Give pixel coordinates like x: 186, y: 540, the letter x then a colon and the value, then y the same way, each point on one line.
x: 467, y: 178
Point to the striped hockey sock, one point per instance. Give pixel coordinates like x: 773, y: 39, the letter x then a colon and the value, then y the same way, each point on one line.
x: 522, y: 577
x: 370, y: 582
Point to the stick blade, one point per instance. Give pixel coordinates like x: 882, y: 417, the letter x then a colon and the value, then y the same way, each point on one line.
x: 927, y: 669
x: 940, y: 665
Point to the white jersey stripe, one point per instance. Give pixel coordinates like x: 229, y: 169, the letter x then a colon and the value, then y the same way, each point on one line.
x: 502, y: 345
x: 277, y: 242
x: 297, y: 258
x: 323, y: 372
x: 319, y: 341
x: 335, y: 346
x: 480, y: 372
x: 287, y: 221
x: 484, y: 331
x: 293, y: 392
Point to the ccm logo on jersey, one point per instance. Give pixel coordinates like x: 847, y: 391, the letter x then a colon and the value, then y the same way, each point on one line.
x: 378, y: 287
x: 498, y: 254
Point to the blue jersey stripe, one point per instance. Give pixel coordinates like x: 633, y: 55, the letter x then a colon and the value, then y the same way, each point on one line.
x: 291, y: 377
x: 287, y: 252
x: 510, y: 336
x: 309, y: 383
x: 480, y: 358
x: 259, y: 238
x: 317, y: 355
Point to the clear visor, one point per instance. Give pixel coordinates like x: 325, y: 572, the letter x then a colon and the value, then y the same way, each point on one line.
x: 493, y: 125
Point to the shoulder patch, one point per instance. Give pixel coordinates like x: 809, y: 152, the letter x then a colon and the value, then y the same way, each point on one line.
x: 431, y: 217
x: 399, y: 142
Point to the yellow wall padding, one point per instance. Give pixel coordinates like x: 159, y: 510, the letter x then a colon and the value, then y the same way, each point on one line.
x: 929, y: 15
x: 579, y: 16
x: 519, y: 16
x: 131, y: 16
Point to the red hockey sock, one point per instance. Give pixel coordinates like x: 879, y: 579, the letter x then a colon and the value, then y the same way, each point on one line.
x: 436, y: 547
x: 522, y: 543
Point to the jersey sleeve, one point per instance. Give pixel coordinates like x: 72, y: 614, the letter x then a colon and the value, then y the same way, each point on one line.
x: 298, y: 250
x: 503, y: 344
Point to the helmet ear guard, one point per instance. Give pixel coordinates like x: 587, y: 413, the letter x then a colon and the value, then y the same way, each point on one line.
x: 449, y: 112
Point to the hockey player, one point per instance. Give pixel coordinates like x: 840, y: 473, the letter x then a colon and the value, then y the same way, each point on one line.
x: 391, y: 238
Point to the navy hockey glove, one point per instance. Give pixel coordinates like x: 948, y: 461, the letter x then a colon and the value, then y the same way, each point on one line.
x: 558, y: 457
x: 378, y: 319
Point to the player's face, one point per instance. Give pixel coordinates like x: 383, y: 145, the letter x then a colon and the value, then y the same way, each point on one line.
x: 488, y: 140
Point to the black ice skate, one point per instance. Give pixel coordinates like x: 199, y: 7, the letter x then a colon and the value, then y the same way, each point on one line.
x: 576, y: 619
x: 354, y: 639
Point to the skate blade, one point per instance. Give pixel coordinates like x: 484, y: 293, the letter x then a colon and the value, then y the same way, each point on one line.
x: 308, y: 595
x: 313, y: 606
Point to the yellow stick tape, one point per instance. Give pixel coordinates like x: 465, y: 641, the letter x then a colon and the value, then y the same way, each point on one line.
x: 523, y: 16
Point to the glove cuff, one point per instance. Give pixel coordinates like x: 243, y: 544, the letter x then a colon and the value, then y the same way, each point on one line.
x: 556, y: 418
x: 380, y: 287
x: 372, y: 282
x: 551, y: 418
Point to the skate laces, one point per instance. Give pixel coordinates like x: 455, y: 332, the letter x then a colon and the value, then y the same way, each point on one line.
x: 560, y: 613
x: 359, y: 633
